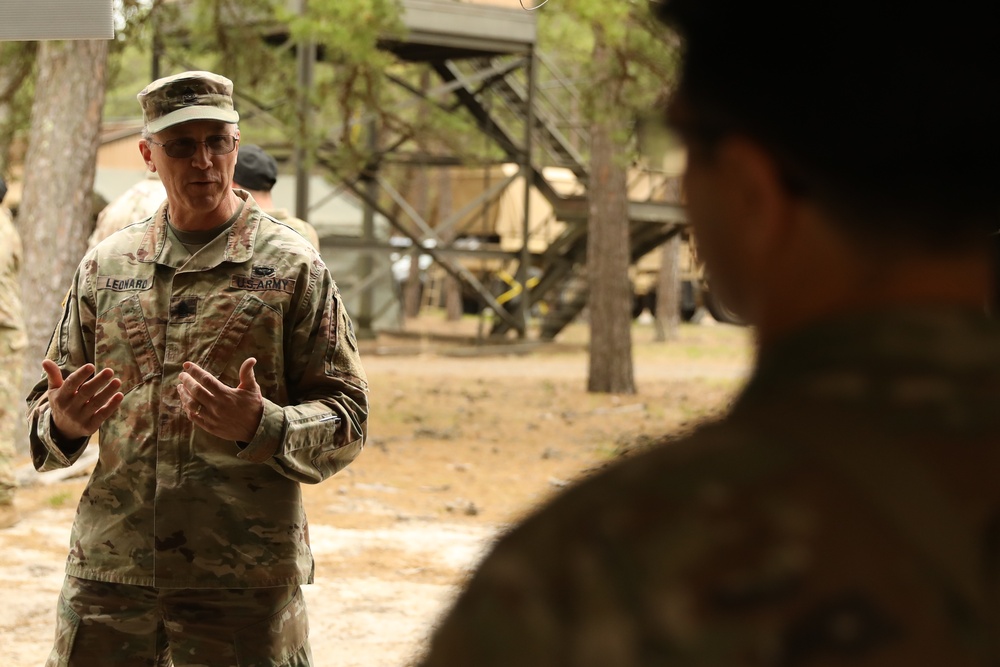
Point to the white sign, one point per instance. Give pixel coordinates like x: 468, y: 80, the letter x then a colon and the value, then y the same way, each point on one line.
x: 56, y: 19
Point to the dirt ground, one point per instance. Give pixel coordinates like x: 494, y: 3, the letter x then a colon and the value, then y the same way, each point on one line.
x: 464, y: 439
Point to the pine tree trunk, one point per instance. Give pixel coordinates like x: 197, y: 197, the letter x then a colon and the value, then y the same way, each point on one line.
x: 610, y: 302
x: 452, y: 285
x: 412, y: 293
x: 668, y: 291
x: 55, y: 216
x: 406, y: 188
x: 416, y: 193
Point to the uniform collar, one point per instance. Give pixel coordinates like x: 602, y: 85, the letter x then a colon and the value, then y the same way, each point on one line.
x: 895, y: 344
x: 235, y: 246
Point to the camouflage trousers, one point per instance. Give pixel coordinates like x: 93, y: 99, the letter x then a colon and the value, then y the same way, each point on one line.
x: 10, y: 395
x: 100, y: 623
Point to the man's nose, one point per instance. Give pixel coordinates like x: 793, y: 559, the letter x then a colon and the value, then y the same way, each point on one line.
x: 202, y: 157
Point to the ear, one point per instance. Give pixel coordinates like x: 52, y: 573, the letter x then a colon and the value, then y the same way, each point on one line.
x: 756, y: 196
x: 147, y: 155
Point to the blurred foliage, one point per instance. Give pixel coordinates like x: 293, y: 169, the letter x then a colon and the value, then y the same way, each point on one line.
x: 255, y: 42
x: 642, y: 68
x: 59, y: 499
x: 17, y: 89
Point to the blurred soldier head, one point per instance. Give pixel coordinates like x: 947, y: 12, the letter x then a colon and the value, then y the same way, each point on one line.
x: 256, y: 171
x: 842, y: 156
x: 190, y: 138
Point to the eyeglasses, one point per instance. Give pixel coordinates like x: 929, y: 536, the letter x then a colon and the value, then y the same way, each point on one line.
x: 220, y: 144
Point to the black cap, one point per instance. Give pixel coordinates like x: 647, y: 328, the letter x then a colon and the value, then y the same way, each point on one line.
x: 255, y: 169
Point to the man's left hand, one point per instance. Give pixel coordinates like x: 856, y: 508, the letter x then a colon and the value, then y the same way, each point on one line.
x: 231, y: 413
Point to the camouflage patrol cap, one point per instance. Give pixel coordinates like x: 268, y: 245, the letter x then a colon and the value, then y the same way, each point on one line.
x: 185, y: 97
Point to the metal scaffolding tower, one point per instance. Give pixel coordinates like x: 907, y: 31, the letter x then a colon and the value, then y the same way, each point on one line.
x: 486, y: 63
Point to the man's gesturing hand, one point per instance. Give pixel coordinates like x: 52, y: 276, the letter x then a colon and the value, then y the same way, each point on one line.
x: 80, y: 405
x: 231, y: 413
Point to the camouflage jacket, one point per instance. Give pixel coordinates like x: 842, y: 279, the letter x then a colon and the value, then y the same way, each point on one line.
x: 845, y: 511
x: 137, y: 203
x: 307, y: 231
x: 11, y: 317
x: 168, y: 504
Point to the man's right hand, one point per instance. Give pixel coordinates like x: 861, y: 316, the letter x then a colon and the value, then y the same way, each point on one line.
x: 81, y: 403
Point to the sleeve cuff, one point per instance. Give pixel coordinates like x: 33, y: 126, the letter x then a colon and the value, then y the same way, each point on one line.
x: 65, y: 452
x: 270, y: 433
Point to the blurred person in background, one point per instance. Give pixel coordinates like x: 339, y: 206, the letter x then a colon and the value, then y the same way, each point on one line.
x: 842, y: 185
x: 135, y: 204
x: 13, y: 340
x: 257, y: 172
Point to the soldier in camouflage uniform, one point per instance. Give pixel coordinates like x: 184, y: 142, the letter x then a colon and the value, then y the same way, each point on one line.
x: 211, y: 348
x: 137, y: 203
x: 842, y: 183
x: 12, y: 342
x: 257, y: 172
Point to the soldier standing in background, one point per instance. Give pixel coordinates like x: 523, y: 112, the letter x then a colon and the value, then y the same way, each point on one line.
x: 13, y: 339
x: 257, y: 172
x: 842, y: 185
x: 210, y: 346
x: 137, y: 203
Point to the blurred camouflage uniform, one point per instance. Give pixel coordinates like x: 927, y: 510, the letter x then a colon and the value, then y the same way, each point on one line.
x: 257, y: 171
x: 137, y: 203
x: 841, y: 513
x: 307, y: 231
x: 12, y: 341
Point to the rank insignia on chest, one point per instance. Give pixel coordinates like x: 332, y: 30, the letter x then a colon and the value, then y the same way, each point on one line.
x: 183, y: 309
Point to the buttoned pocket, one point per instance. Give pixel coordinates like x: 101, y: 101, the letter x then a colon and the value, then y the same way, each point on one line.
x: 342, y: 358
x: 123, y: 344
x: 67, y: 625
x: 253, y: 329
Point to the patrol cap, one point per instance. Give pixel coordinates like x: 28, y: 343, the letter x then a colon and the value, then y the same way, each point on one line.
x: 255, y: 169
x: 185, y: 97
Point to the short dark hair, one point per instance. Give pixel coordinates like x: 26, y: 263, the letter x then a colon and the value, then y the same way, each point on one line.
x: 3, y: 189
x: 881, y: 110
